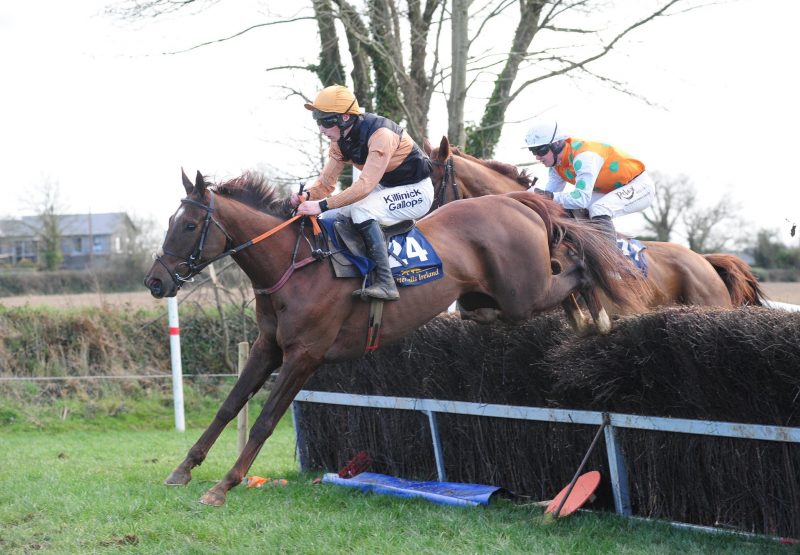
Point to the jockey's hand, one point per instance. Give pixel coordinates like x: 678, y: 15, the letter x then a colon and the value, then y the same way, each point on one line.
x: 544, y: 193
x: 296, y: 199
x: 309, y: 208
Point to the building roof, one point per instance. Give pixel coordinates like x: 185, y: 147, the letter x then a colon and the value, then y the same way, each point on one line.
x: 69, y: 225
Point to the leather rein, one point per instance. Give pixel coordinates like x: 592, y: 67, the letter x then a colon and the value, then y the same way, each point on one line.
x: 194, y: 266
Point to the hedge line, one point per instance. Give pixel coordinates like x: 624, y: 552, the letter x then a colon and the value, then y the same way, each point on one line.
x: 115, y: 341
x: 107, y: 280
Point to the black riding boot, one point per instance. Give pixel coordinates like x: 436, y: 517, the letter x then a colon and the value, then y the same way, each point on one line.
x: 383, y: 286
x: 606, y: 226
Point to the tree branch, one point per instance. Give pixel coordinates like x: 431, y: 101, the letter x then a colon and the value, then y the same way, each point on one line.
x: 240, y: 33
x: 606, y: 49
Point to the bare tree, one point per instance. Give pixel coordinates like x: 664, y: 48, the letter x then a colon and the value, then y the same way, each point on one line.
x: 459, y: 31
x: 675, y: 194
x: 389, y: 43
x: 706, y: 229
x: 47, y: 227
x: 548, y: 61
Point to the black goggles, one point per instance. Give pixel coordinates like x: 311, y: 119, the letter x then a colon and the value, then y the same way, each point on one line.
x: 328, y: 121
x: 540, y: 150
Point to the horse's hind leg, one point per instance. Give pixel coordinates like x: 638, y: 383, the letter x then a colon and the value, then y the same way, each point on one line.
x: 293, y: 374
x: 264, y: 358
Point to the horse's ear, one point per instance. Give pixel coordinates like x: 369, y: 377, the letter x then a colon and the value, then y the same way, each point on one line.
x: 200, y: 183
x: 187, y: 184
x: 444, y: 149
x: 426, y: 146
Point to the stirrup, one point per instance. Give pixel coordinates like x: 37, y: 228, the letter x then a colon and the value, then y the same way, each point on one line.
x: 379, y: 294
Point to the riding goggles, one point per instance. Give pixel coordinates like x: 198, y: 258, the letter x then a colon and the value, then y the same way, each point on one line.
x: 325, y: 119
x: 540, y: 150
x: 328, y: 122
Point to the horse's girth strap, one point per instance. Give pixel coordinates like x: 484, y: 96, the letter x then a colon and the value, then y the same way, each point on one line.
x: 285, y: 277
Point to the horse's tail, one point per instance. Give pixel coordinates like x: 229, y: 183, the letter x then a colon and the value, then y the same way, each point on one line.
x: 742, y: 284
x: 597, y: 255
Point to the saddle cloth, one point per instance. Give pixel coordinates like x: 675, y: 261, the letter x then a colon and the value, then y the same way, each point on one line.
x: 412, y: 258
x: 633, y: 249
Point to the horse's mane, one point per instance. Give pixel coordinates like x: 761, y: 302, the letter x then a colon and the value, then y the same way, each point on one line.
x: 254, y: 189
x: 508, y: 170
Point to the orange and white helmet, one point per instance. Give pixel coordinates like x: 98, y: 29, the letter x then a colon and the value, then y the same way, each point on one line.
x: 544, y: 132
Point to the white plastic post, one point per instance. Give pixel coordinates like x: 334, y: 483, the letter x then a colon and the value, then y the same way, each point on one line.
x: 175, y: 359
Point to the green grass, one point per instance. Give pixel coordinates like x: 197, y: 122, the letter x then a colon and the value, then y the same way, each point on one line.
x: 98, y: 489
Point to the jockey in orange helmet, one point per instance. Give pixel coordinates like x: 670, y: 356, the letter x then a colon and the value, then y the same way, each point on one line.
x: 608, y: 182
x: 394, y: 184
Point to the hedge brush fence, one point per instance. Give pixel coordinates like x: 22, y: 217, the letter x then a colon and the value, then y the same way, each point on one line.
x: 739, y: 365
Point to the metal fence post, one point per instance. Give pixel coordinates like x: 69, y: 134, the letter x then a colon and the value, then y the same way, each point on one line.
x: 437, y: 445
x: 618, y: 471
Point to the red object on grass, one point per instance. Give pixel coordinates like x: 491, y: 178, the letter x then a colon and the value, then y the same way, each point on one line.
x: 356, y: 466
x: 583, y: 490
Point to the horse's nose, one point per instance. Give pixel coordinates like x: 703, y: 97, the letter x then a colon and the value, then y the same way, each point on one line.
x: 156, y: 287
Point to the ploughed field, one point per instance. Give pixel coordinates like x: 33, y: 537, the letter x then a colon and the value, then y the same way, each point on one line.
x: 785, y: 292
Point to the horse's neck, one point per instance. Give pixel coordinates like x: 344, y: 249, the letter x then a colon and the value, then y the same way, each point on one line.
x: 479, y: 180
x: 266, y: 260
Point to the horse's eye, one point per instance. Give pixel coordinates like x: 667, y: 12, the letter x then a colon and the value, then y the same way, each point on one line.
x: 191, y: 227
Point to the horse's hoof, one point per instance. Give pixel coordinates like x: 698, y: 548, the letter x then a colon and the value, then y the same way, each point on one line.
x: 603, y: 324
x: 213, y: 498
x: 178, y: 478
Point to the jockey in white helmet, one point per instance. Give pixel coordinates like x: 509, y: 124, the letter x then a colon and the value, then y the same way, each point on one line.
x: 608, y: 183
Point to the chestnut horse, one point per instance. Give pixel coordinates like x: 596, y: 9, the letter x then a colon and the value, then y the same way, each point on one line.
x: 677, y: 275
x: 306, y: 317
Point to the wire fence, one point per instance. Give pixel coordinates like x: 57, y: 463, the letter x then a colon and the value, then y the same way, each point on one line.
x: 129, y: 377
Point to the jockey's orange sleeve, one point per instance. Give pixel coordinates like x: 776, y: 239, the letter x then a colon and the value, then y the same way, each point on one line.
x: 387, y: 150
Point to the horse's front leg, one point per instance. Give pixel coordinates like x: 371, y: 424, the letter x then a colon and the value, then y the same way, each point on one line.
x: 598, y: 312
x: 295, y: 371
x: 575, y: 316
x: 264, y: 358
x: 574, y: 279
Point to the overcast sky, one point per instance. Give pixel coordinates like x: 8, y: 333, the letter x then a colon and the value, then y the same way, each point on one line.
x: 89, y: 102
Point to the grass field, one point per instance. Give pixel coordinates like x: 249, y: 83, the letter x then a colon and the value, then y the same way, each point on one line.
x: 95, y: 487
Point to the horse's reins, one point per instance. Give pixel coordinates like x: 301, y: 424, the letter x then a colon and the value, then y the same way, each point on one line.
x: 193, y: 268
x: 448, y: 178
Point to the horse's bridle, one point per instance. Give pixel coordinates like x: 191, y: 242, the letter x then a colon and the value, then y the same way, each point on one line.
x: 191, y: 262
x: 194, y: 267
x: 448, y: 178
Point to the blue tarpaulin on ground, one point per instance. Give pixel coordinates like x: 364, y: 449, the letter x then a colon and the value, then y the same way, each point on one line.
x: 444, y: 493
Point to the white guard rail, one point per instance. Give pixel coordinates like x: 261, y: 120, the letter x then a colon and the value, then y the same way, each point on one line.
x: 617, y: 467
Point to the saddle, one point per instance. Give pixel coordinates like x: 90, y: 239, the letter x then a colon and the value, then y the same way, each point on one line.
x: 344, y: 242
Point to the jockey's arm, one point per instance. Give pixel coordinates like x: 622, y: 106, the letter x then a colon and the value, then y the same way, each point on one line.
x: 590, y: 164
x: 555, y: 184
x: 326, y: 182
x: 382, y: 144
